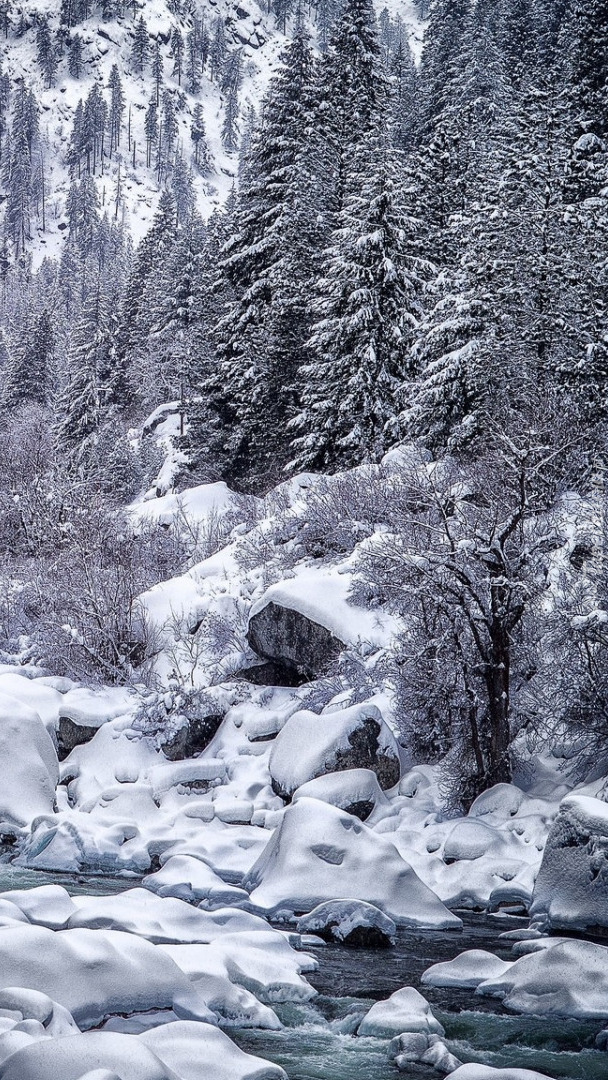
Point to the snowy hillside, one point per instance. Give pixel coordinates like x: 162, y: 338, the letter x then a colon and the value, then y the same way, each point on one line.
x: 128, y: 187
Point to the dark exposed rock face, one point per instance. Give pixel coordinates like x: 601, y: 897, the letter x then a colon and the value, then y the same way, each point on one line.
x: 71, y: 734
x: 271, y: 673
x: 293, y: 641
x: 352, y: 922
x: 192, y: 738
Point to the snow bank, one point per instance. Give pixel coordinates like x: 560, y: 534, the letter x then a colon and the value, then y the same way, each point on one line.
x: 320, y: 853
x: 30, y: 770
x: 91, y: 708
x: 34, y: 693
x: 139, y: 911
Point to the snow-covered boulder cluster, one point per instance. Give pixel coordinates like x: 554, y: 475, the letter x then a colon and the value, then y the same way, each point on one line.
x: 571, y: 890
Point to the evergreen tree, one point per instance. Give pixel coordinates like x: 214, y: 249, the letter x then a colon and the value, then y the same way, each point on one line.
x: 198, y: 135
x: 193, y: 65
x: 269, y: 262
x: 218, y: 50
x: 232, y: 80
x: 151, y: 129
x: 157, y: 70
x: 140, y: 49
x: 75, y: 55
x: 183, y: 190
x: 177, y: 52
x: 29, y: 375
x: 45, y: 51
x: 117, y: 107
x: 366, y: 305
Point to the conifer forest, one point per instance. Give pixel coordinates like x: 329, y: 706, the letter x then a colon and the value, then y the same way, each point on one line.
x: 303, y: 539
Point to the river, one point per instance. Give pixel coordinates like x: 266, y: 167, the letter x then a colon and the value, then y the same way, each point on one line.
x: 316, y: 1041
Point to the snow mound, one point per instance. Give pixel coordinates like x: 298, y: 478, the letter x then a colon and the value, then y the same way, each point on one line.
x: 311, y: 745
x: 46, y: 905
x: 570, y: 979
x: 190, y: 879
x: 426, y: 1049
x: 30, y: 770
x: 467, y: 970
x: 43, y: 699
x: 319, y: 853
x: 197, y: 1052
x: 92, y: 974
x: 405, y: 1010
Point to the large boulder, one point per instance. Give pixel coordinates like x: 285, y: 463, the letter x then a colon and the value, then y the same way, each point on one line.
x: 319, y: 853
x: 191, y: 737
x: 293, y: 641
x: 305, y: 621
x: 84, y: 710
x: 311, y: 745
x: 571, y: 890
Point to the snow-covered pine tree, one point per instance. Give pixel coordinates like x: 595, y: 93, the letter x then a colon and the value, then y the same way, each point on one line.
x: 269, y: 263
x: 30, y: 371
x: 366, y: 305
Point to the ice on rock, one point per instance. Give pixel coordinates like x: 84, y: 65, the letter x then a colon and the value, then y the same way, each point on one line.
x: 90, y: 973
x: 571, y: 889
x: 569, y: 979
x: 311, y: 744
x: 355, y: 790
x: 405, y: 1010
x: 190, y: 879
x: 319, y: 853
x: 467, y: 970
x: 485, y: 1072
x: 352, y: 921
x: 30, y: 771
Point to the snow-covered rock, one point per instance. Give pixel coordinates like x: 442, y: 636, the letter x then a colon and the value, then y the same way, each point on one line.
x: 311, y: 745
x: 355, y: 790
x: 571, y: 889
x: 467, y: 970
x: 426, y: 1049
x: 485, y: 1072
x: 191, y: 879
x: 176, y: 1051
x: 93, y: 973
x: 405, y: 1010
x: 30, y: 770
x: 351, y: 921
x: 569, y: 979
x: 319, y: 853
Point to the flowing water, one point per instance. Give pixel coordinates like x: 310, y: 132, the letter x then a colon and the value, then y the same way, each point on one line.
x: 317, y: 1041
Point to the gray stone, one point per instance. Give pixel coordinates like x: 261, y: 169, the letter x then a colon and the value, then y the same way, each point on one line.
x: 70, y: 734
x: 293, y: 641
x: 191, y: 738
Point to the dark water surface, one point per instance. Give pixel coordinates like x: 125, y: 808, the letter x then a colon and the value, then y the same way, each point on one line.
x: 316, y: 1041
